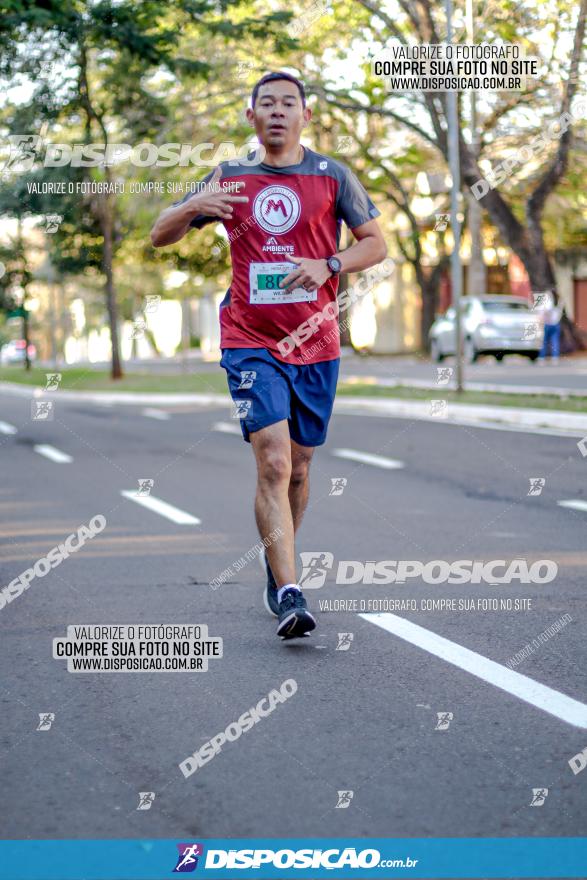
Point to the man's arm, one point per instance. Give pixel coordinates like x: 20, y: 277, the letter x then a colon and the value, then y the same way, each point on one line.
x: 173, y: 223
x: 370, y: 248
x: 210, y: 202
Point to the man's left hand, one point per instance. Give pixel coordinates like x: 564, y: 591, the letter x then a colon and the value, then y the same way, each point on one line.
x: 310, y: 274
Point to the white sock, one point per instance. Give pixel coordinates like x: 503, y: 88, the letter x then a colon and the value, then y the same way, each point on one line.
x: 282, y: 590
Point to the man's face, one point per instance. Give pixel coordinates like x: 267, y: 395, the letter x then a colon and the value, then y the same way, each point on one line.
x: 278, y: 115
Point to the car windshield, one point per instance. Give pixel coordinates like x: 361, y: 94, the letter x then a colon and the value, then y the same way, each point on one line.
x: 493, y: 306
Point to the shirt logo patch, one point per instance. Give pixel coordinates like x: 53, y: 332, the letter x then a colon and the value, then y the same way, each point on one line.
x: 323, y: 165
x: 274, y: 248
x: 276, y: 209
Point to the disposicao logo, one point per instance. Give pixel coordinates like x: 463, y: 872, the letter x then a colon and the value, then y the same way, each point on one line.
x: 187, y: 860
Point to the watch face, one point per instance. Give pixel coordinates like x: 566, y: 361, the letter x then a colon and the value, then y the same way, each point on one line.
x: 334, y: 264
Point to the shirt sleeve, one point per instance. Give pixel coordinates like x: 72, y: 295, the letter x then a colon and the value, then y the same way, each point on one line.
x: 199, y: 220
x: 353, y: 204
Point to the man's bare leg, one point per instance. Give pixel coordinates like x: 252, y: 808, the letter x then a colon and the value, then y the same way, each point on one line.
x: 272, y: 449
x: 299, y: 484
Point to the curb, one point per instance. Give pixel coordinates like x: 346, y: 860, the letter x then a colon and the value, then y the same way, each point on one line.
x: 457, y: 413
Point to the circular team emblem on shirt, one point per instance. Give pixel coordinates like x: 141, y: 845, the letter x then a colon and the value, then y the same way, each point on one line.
x: 276, y: 209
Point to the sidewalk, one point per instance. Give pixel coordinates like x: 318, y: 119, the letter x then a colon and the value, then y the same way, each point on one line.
x: 472, y: 385
x: 521, y: 418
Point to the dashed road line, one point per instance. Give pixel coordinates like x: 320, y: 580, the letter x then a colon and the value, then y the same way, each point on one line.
x: 574, y: 504
x: 227, y: 428
x: 52, y: 453
x: 162, y: 508
x: 158, y: 414
x: 368, y: 458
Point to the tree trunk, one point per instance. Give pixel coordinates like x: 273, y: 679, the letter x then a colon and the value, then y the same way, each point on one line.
x: 526, y: 242
x: 24, y: 282
x: 106, y: 223
x: 104, y: 207
x: 572, y: 337
x: 429, y: 299
x: 53, y: 323
x: 429, y: 284
x: 538, y: 265
x: 25, y: 333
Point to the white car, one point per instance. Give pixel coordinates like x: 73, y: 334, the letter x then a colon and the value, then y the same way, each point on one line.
x: 496, y: 325
x: 13, y: 352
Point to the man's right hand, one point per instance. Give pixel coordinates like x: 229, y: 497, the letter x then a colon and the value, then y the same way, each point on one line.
x: 213, y: 201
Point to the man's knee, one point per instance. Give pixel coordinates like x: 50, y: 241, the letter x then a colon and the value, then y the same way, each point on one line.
x: 275, y: 466
x: 300, y: 472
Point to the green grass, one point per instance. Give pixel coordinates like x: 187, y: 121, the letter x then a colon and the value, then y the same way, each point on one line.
x: 214, y: 381
x: 76, y: 379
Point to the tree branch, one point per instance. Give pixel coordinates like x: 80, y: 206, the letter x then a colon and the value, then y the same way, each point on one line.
x: 390, y: 23
x: 535, y: 203
x: 514, y: 101
x: 373, y: 111
x: 499, y: 211
x: 432, y: 35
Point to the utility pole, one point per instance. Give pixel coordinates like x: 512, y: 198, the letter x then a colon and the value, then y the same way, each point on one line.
x: 455, y: 172
x: 477, y: 274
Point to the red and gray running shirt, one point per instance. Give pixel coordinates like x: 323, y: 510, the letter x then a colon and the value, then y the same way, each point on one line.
x: 295, y: 210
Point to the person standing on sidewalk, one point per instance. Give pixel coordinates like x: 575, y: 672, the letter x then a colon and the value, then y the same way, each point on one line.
x: 551, y: 315
x: 283, y: 217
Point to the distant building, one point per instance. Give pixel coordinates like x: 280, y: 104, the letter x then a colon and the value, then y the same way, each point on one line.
x: 570, y: 269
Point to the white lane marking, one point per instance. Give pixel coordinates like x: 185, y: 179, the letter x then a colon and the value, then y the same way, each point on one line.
x: 5, y: 428
x: 566, y: 708
x: 368, y: 458
x: 53, y: 454
x: 574, y: 504
x: 227, y: 428
x: 159, y: 414
x: 162, y: 507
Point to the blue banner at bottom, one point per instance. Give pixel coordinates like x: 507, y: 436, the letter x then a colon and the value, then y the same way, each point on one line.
x: 224, y: 859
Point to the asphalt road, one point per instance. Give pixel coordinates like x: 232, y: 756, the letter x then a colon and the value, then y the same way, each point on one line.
x: 362, y: 720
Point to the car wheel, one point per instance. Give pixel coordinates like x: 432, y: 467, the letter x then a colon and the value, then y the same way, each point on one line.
x: 470, y: 352
x: 435, y: 352
x: 499, y: 356
x: 533, y: 355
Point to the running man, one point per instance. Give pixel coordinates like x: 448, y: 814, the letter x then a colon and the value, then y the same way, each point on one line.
x: 283, y: 217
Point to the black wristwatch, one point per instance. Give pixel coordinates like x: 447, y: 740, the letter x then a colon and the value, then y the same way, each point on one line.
x: 334, y: 265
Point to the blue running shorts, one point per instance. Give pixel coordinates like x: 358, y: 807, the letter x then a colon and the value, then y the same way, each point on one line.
x: 266, y: 390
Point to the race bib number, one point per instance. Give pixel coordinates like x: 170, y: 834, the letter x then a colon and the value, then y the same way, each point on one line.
x: 264, y: 286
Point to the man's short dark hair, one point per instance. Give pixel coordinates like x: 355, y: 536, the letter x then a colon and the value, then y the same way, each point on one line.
x: 271, y: 77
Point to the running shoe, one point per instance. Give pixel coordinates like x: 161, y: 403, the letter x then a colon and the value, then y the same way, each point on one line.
x: 294, y: 618
x: 270, y: 590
